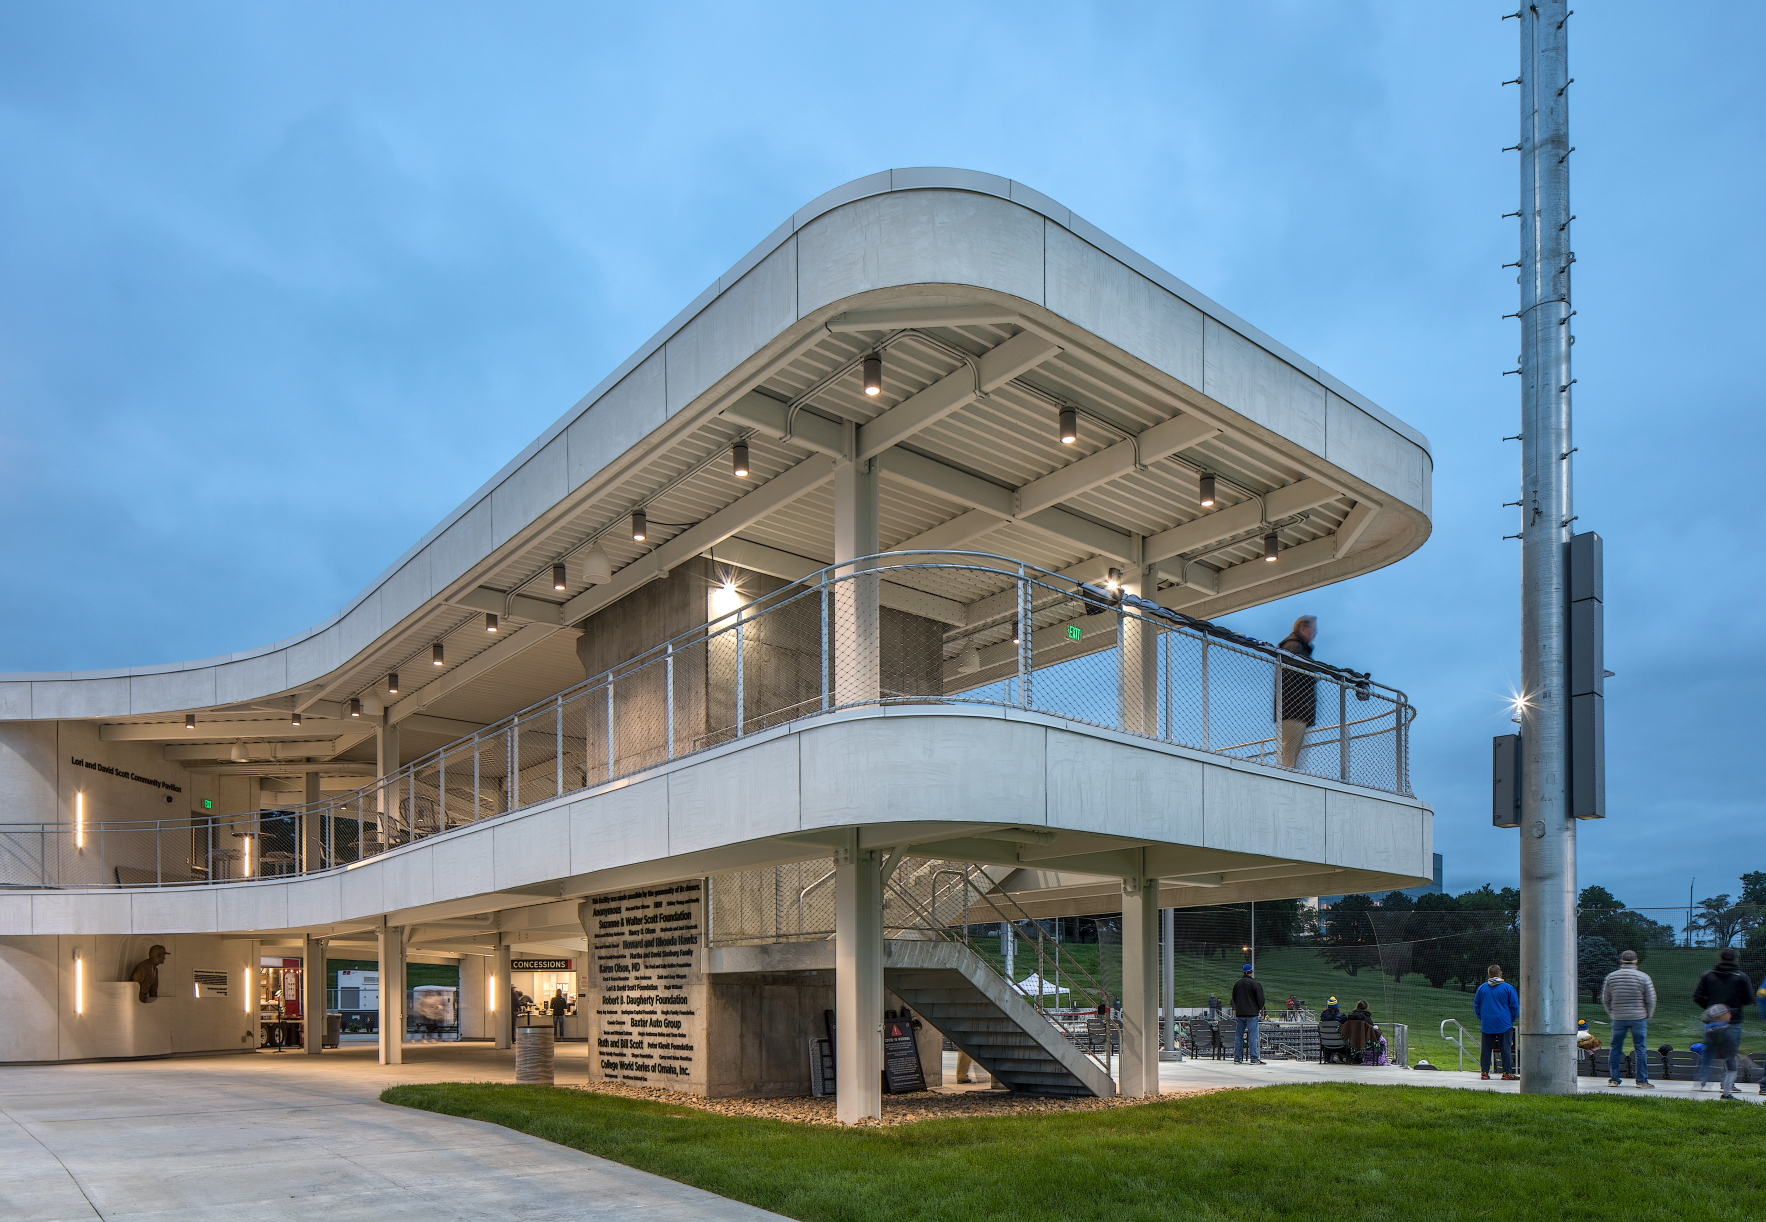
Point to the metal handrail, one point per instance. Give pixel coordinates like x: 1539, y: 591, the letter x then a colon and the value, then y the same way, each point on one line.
x: 1459, y: 1041
x: 425, y: 797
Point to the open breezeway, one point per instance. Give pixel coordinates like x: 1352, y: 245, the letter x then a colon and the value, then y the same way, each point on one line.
x: 293, y: 1136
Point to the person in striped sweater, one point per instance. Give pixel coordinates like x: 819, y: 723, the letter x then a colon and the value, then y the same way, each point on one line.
x: 1629, y: 996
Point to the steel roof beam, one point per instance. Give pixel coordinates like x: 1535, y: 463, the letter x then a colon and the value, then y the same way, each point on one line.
x: 776, y: 493
x: 1160, y: 441
x: 1247, y: 515
x: 958, y: 389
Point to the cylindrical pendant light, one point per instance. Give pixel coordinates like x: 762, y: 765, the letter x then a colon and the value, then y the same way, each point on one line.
x: 640, y: 526
x: 436, y: 656
x: 1270, y: 544
x: 1016, y: 636
x: 190, y: 721
x: 490, y: 621
x: 558, y: 582
x: 1069, y: 426
x: 739, y: 460
x: 294, y: 718
x: 392, y: 683
x: 355, y: 706
x: 874, y: 374
x: 1206, y: 496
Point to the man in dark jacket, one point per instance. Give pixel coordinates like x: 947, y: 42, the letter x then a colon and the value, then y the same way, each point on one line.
x: 1247, y: 1010
x: 1299, y: 691
x: 1724, y: 985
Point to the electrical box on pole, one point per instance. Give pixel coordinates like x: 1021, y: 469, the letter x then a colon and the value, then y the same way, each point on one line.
x: 1505, y: 780
x: 1588, y: 719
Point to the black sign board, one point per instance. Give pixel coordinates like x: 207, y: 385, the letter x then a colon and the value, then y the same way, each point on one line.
x: 902, y: 1071
x: 540, y: 965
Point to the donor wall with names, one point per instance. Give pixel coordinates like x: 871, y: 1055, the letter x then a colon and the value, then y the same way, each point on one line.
x: 648, y: 991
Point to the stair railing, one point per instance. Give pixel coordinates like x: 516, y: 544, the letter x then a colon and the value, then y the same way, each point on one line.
x: 929, y: 921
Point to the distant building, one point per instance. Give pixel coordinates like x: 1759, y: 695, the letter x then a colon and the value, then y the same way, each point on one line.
x: 1433, y: 888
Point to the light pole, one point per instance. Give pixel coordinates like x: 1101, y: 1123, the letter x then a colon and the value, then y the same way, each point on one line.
x: 1548, y: 830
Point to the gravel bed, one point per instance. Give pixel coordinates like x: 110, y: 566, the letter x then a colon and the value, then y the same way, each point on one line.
x: 897, y: 1109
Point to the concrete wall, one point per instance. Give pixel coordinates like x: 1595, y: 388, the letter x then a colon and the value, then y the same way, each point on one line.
x: 879, y: 233
x: 40, y: 1019
x: 758, y: 1029
x: 39, y: 782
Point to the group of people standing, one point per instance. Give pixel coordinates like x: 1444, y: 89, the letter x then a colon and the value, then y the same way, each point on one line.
x: 1629, y: 997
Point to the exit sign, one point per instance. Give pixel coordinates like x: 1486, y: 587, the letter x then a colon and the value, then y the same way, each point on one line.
x: 208, y: 803
x: 1072, y: 632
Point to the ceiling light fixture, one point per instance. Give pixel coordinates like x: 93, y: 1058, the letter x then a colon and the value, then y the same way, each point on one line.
x: 490, y: 621
x: 1069, y: 426
x: 739, y: 460
x: 640, y: 526
x: 874, y: 374
x: 294, y: 718
x: 355, y: 706
x: 190, y: 721
x: 1113, y: 580
x: 1017, y: 637
x: 436, y: 656
x: 596, y: 566
x: 558, y: 582
x: 1206, y: 493
x: 1270, y: 545
x: 392, y: 683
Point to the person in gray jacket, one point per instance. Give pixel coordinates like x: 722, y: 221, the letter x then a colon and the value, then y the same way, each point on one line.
x: 1630, y: 1000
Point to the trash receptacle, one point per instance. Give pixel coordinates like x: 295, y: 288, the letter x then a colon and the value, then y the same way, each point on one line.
x: 333, y: 1029
x: 533, y: 1055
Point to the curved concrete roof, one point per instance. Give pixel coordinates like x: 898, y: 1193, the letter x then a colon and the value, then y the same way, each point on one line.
x: 1002, y: 237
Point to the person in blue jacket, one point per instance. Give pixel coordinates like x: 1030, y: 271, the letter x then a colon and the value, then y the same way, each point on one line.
x: 1497, y: 1006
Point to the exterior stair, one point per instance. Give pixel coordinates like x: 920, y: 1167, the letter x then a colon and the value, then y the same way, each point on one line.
x: 963, y: 997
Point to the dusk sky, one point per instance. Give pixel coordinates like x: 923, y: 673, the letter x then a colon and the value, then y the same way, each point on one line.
x: 282, y: 284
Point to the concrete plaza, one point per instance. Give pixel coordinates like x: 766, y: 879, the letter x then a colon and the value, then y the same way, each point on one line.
x: 307, y: 1137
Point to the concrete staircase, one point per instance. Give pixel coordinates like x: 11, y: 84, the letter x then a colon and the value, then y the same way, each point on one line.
x: 955, y: 990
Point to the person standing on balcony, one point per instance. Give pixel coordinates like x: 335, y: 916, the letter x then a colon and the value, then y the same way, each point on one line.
x: 1629, y: 996
x: 1247, y: 1010
x: 1497, y: 1006
x: 1299, y: 691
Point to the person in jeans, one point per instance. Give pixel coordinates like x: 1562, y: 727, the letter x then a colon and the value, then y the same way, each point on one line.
x: 1724, y: 987
x: 1630, y: 1000
x: 1497, y: 1006
x: 1299, y: 691
x: 1247, y: 1009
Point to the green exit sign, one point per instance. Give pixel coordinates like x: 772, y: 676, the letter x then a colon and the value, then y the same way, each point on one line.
x: 1072, y: 632
x: 208, y: 803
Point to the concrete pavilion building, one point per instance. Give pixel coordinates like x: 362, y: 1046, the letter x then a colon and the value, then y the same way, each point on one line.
x: 865, y: 605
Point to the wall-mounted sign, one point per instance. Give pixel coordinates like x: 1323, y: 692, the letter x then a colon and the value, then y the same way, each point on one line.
x: 541, y: 965
x: 127, y: 776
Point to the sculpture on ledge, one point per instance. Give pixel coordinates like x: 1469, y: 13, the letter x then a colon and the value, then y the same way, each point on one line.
x: 146, y: 973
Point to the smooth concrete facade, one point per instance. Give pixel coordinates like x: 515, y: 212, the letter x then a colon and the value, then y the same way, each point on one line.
x: 741, y: 805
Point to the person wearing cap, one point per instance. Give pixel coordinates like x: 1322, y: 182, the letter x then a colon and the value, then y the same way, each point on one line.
x: 1723, y: 993
x: 1629, y: 996
x: 1247, y: 1010
x: 1331, y: 1013
x: 1497, y: 1006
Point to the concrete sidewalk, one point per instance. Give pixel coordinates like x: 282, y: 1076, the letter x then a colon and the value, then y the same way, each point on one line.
x: 1189, y: 1075
x: 289, y: 1136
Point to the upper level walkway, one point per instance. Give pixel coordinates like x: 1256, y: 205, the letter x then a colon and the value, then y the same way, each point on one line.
x: 1111, y: 726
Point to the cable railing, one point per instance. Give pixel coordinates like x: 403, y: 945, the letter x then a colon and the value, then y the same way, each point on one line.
x: 921, y: 629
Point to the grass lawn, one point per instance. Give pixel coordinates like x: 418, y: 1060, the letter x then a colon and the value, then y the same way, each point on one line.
x: 1361, y: 1153
x: 1412, y: 1000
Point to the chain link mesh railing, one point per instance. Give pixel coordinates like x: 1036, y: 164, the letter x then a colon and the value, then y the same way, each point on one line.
x: 930, y: 628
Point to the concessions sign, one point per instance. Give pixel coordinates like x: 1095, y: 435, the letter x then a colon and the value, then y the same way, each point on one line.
x: 541, y: 965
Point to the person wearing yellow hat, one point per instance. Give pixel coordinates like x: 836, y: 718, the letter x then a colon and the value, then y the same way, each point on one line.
x: 1331, y: 1012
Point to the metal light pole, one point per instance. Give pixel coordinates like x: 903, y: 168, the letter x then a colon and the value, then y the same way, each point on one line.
x: 1548, y: 833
